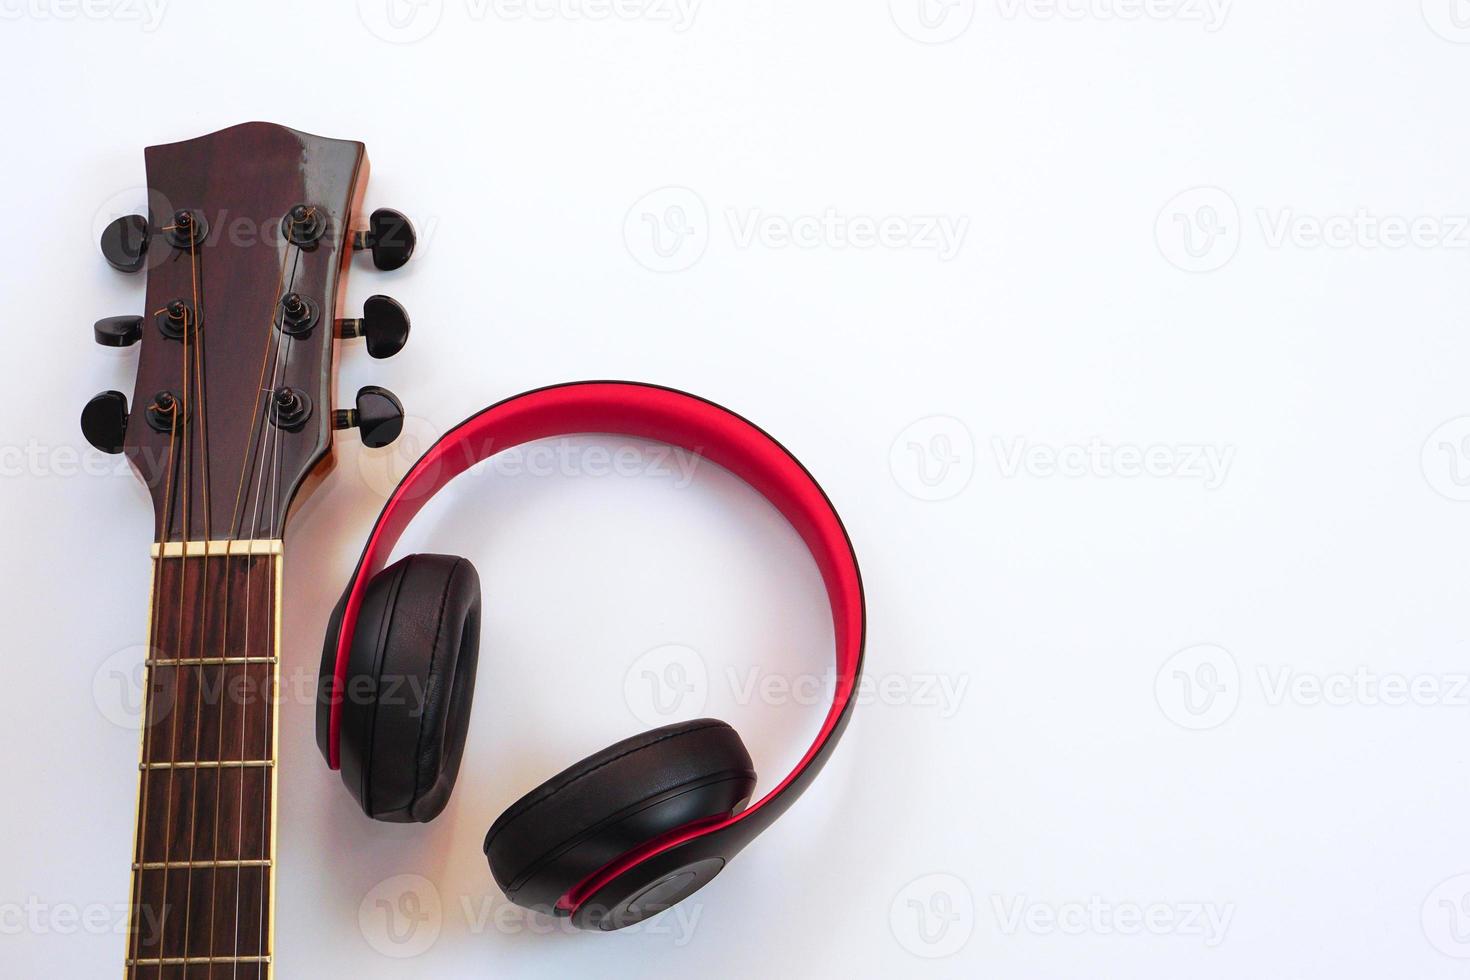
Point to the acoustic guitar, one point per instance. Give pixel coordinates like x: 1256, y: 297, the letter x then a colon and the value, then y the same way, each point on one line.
x: 246, y: 246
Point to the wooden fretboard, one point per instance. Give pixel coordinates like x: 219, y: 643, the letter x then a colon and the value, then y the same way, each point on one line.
x: 204, y: 856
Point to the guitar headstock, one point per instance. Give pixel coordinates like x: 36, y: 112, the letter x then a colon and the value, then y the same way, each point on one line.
x: 246, y: 246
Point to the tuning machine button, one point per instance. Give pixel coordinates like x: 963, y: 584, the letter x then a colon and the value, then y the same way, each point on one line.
x: 125, y: 242
x: 383, y: 324
x: 105, y: 421
x: 390, y: 237
x: 378, y: 416
x: 118, y: 331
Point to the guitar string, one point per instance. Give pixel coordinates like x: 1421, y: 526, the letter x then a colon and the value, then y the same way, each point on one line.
x: 188, y: 475
x: 266, y: 730
x: 149, y: 702
x: 269, y: 434
x: 203, y: 624
x: 251, y: 436
x: 272, y: 438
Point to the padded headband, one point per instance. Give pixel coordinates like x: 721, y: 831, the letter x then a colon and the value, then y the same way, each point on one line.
x: 647, y: 412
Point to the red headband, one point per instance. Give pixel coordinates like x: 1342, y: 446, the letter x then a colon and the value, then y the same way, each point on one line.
x: 647, y: 412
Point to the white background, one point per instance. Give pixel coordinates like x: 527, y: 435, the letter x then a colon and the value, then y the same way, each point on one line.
x: 1099, y: 744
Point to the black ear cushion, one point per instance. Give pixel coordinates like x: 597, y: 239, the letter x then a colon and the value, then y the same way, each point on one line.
x: 409, y: 686
x: 614, y: 801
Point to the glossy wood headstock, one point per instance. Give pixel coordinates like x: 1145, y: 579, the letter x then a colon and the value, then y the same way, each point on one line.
x: 246, y: 245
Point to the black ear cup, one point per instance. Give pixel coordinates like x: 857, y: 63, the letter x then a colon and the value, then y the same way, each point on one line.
x: 613, y: 802
x: 410, y: 681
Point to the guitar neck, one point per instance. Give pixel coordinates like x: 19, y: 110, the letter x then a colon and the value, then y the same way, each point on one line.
x: 203, y: 881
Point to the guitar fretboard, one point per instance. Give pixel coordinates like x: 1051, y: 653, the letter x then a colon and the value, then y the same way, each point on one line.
x: 203, y: 859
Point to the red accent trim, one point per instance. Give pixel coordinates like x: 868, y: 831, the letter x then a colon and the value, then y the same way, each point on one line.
x: 647, y: 412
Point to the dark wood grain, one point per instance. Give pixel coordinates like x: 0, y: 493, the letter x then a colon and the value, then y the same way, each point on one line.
x: 205, y: 831
x: 224, y: 471
x: 220, y: 469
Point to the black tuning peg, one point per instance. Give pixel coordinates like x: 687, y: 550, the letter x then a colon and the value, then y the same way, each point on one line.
x: 378, y: 416
x: 125, y: 242
x: 384, y: 324
x: 118, y: 331
x: 105, y: 420
x: 390, y: 237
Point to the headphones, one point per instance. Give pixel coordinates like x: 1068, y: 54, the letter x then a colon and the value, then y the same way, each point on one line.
x: 628, y: 831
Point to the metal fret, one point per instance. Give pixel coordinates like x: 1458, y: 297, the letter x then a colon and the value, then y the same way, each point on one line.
x: 242, y: 632
x: 208, y: 661
x: 208, y: 764
x: 186, y: 960
x: 168, y: 865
